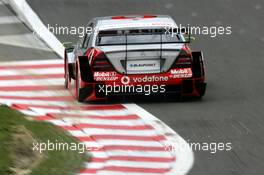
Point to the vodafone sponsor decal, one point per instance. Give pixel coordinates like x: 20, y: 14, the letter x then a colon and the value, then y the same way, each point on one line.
x: 125, y: 80
x: 181, y: 73
x: 153, y: 78
x: 105, y: 76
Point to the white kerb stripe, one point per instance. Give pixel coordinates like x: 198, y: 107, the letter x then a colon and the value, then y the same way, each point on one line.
x: 48, y: 93
x: 92, y: 144
x: 96, y: 131
x: 77, y: 133
x: 58, y: 122
x: 34, y: 102
x: 30, y: 62
x: 135, y: 164
x: 98, y: 154
x: 42, y: 82
x: 94, y: 165
x: 10, y: 72
x: 103, y: 113
x: 129, y: 143
x: 105, y: 122
x: 149, y: 154
x: 108, y: 172
x: 30, y: 113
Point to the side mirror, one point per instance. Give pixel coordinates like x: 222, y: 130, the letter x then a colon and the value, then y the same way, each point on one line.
x: 188, y: 38
x: 68, y: 45
x: 69, y: 55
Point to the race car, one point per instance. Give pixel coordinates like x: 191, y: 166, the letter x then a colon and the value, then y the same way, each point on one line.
x: 127, y: 55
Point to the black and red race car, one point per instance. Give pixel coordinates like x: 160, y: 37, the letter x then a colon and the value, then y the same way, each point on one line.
x: 139, y: 54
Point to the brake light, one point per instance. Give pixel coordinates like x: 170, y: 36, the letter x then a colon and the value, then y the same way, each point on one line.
x: 134, y: 17
x: 149, y: 16
x: 120, y: 17
x: 100, y: 62
x: 184, y: 59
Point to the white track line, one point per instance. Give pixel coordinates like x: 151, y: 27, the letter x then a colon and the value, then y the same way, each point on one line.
x: 27, y: 40
x: 32, y: 19
x: 9, y: 19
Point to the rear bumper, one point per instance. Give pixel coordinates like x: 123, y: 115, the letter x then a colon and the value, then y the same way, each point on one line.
x: 185, y: 87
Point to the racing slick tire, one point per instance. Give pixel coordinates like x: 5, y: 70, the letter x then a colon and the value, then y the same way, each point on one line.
x: 66, y: 74
x: 80, y: 95
x: 201, y: 87
x: 198, y: 72
x: 83, y: 74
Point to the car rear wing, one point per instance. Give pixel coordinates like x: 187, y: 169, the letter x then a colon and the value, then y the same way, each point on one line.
x: 159, y: 41
x: 169, y: 32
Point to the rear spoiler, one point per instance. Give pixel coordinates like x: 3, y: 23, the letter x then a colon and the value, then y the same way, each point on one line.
x: 161, y: 32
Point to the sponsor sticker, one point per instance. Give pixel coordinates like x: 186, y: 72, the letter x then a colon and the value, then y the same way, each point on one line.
x: 125, y: 80
x: 105, y: 76
x: 153, y: 78
x: 142, y: 65
x: 181, y: 73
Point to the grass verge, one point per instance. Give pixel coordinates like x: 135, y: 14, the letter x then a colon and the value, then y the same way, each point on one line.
x: 17, y: 135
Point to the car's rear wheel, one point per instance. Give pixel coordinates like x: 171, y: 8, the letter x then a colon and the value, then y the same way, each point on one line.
x: 80, y: 93
x: 201, y: 89
x: 77, y: 84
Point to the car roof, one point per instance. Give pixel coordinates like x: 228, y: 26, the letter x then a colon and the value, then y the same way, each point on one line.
x: 133, y: 21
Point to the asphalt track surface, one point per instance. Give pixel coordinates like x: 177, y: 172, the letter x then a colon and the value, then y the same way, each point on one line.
x: 232, y: 110
x: 17, y: 41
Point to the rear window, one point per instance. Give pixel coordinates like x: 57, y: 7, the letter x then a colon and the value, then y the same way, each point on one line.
x: 151, y: 36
